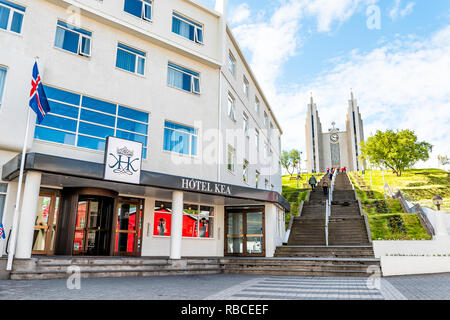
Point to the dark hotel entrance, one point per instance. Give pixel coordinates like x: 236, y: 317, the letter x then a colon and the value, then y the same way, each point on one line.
x: 87, y: 222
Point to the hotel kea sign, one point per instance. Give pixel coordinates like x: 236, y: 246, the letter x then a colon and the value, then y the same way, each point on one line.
x: 123, y: 159
x: 205, y: 186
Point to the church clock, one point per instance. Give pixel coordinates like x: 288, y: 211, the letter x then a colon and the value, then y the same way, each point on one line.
x: 334, y: 137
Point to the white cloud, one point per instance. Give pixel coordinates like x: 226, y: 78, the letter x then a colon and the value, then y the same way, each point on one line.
x: 396, y: 12
x: 240, y: 14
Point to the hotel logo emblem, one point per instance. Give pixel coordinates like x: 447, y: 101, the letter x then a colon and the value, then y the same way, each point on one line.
x: 122, y: 162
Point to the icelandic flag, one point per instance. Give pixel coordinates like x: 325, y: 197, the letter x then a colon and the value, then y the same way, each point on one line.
x: 2, y: 231
x: 38, y: 99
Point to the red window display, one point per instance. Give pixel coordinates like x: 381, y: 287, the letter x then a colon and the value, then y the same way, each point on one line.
x: 197, y: 220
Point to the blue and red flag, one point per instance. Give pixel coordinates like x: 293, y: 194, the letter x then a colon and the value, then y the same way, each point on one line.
x: 2, y: 231
x: 38, y: 99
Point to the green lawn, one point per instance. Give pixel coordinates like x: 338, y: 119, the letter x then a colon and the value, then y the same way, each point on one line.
x: 387, y: 219
x: 420, y: 184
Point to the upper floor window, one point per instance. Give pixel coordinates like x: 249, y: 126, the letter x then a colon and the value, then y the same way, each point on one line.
x: 187, y: 28
x: 257, y: 105
x: 245, y: 123
x: 257, y: 140
x: 231, y: 107
x: 180, y: 139
x: 83, y: 121
x: 245, y: 171
x: 231, y: 64
x: 270, y: 130
x: 3, y: 190
x: 183, y: 78
x: 266, y: 184
x: 73, y: 39
x: 266, y: 119
x: 130, y: 59
x: 11, y: 16
x: 245, y: 86
x: 2, y: 83
x: 257, y: 175
x: 231, y: 158
x: 139, y: 8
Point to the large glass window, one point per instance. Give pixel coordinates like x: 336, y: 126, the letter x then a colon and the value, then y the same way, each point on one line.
x: 3, y: 190
x: 11, y: 16
x: 180, y: 139
x: 183, y: 78
x: 245, y: 86
x: 257, y: 104
x: 139, y: 8
x: 245, y: 123
x: 2, y: 83
x: 73, y: 39
x: 245, y: 171
x: 130, y: 59
x: 198, y: 220
x: 85, y: 122
x: 187, y: 28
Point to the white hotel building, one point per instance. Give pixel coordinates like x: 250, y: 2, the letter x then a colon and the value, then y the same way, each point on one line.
x: 167, y: 74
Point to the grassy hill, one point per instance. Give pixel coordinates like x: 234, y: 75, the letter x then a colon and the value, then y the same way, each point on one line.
x: 387, y: 219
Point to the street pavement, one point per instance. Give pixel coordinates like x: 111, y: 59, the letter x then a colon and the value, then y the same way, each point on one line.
x: 232, y: 287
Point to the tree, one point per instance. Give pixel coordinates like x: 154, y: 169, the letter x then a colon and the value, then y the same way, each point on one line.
x: 443, y: 160
x: 395, y: 150
x: 290, y: 160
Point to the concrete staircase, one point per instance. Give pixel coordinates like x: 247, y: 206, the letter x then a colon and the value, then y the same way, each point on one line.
x: 349, y: 253
x: 98, y: 267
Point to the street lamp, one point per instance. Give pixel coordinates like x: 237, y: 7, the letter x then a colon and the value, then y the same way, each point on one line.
x: 441, y: 232
x: 384, y: 181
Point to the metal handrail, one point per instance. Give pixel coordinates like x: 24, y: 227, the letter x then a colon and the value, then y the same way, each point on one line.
x: 327, y: 215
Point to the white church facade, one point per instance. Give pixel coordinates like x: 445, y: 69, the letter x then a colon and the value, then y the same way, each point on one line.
x: 335, y: 148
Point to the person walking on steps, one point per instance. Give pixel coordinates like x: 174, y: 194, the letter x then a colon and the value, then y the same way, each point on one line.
x: 325, y: 188
x: 312, y: 181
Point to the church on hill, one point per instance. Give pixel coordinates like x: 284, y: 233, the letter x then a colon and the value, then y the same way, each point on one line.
x: 335, y: 148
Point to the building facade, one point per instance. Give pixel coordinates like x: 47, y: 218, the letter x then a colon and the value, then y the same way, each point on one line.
x: 160, y: 93
x: 335, y: 148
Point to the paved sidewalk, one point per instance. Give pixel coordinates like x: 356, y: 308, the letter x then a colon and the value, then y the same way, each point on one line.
x: 231, y: 286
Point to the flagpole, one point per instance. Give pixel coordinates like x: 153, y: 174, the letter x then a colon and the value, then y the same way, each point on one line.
x: 15, y: 225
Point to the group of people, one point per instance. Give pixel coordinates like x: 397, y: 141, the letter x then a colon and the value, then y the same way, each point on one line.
x: 330, y: 172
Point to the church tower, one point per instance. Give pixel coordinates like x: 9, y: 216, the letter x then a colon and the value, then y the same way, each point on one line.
x: 335, y: 148
x: 313, y: 138
x: 355, y: 134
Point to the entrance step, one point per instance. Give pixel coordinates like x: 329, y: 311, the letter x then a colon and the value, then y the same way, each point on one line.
x: 57, y: 268
x: 301, y: 266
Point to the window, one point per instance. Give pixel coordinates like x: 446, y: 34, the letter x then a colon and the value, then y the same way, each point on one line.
x: 257, y: 175
x: 83, y: 121
x: 130, y: 59
x: 180, y: 139
x: 187, y: 28
x: 257, y: 104
x: 232, y: 64
x: 270, y: 130
x: 245, y: 86
x: 245, y: 123
x: 231, y: 107
x: 272, y: 187
x: 257, y: 140
x: 245, y: 171
x: 3, y: 191
x: 266, y: 184
x: 139, y: 8
x: 73, y: 39
x: 198, y: 220
x: 266, y: 119
x: 231, y: 158
x: 2, y: 83
x: 11, y: 16
x: 183, y: 78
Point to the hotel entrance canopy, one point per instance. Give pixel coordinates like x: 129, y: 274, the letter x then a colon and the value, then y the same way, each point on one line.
x: 66, y: 172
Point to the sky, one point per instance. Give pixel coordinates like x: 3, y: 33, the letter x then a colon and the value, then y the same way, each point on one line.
x: 393, y: 54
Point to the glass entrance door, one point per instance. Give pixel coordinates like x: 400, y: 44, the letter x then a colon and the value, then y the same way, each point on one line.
x: 244, y: 231
x: 93, y: 226
x: 128, y: 228
x: 45, y: 223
